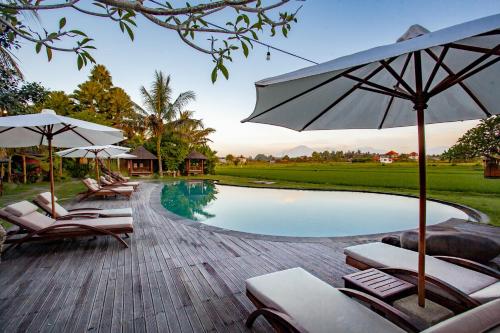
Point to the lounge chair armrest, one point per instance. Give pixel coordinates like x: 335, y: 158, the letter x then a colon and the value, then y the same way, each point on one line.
x: 462, y: 297
x: 278, y: 317
x: 393, y: 314
x: 473, y: 265
x: 86, y: 208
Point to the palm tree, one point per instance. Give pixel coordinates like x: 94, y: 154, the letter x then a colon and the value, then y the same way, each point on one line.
x: 190, y: 129
x: 158, y: 103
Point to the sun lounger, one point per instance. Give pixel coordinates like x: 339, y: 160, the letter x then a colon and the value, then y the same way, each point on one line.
x: 93, y: 189
x: 293, y: 300
x: 108, y: 181
x: 458, y: 284
x: 43, y: 200
x: 36, y: 226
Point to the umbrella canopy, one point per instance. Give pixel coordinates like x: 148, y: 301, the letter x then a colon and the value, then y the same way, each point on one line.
x: 96, y: 152
x: 106, y: 151
x: 426, y: 77
x: 48, y: 128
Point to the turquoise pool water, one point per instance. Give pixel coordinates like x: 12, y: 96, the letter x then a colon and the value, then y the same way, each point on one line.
x: 297, y: 212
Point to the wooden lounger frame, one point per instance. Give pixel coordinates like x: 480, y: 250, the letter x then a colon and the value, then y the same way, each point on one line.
x: 74, y: 212
x: 57, y: 231
x: 103, y: 192
x: 459, y: 302
x: 283, y: 323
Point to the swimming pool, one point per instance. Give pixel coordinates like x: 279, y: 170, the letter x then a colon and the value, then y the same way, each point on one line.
x: 298, y: 213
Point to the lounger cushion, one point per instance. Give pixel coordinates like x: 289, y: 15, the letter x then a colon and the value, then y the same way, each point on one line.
x: 484, y: 318
x: 314, y: 304
x: 382, y: 255
x: 117, y: 212
x: 108, y: 223
x: 487, y: 294
x: 45, y: 197
x: 32, y: 221
x: 21, y: 208
x: 47, y: 206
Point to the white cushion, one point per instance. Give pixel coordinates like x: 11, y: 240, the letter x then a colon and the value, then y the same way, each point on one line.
x: 21, y: 208
x: 117, y: 212
x: 45, y: 197
x: 59, y: 210
x: 105, y: 222
x: 484, y: 318
x: 487, y: 294
x: 33, y: 221
x: 314, y: 304
x: 383, y: 255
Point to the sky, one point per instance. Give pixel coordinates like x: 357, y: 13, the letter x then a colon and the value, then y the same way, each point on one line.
x: 326, y: 29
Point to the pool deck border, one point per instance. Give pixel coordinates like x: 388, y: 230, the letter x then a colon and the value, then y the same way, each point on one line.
x: 158, y: 207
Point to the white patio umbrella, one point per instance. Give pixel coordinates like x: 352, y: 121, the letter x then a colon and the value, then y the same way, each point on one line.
x: 96, y: 152
x: 425, y: 78
x: 48, y: 128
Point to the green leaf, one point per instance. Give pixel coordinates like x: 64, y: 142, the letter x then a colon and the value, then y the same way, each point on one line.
x: 245, y: 49
x: 79, y: 62
x: 62, y: 23
x: 285, y: 32
x: 38, y: 47
x: 49, y: 53
x: 246, y: 19
x: 254, y: 35
x: 78, y: 32
x: 214, y: 74
x: 130, y: 32
x: 224, y: 70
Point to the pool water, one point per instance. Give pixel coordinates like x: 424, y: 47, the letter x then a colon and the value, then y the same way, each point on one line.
x: 298, y: 213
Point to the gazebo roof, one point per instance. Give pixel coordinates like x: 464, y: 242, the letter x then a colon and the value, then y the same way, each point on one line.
x: 194, y: 155
x: 141, y: 153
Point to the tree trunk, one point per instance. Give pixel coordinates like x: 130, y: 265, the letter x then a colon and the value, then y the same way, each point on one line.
x: 158, y: 144
x: 24, y: 170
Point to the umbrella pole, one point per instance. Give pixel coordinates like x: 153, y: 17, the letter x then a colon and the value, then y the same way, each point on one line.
x: 51, y: 176
x: 97, y: 170
x: 422, y: 206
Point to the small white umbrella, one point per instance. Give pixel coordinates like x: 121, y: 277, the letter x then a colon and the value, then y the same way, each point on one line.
x: 96, y: 152
x: 48, y: 128
x: 426, y: 77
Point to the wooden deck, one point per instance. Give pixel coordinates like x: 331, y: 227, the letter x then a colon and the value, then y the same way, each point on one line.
x: 173, y: 278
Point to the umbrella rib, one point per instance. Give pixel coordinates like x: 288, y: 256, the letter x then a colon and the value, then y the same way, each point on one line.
x: 466, y: 76
x: 7, y: 129
x: 472, y: 48
x: 305, y: 92
x: 81, y: 136
x: 69, y: 152
x: 64, y: 129
x: 403, y: 70
x: 461, y: 83
x: 447, y: 82
x: 379, y: 88
x: 436, y: 66
x: 397, y: 77
x: 341, y: 98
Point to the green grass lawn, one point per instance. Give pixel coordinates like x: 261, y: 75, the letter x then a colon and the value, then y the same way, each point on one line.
x: 65, y: 190
x: 463, y: 184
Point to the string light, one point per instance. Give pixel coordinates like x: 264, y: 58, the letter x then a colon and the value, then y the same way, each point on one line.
x: 268, y: 55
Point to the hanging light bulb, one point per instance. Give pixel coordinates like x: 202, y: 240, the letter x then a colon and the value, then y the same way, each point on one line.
x: 268, y: 55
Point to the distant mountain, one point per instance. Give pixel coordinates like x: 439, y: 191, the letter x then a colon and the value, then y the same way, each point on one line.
x: 371, y: 150
x: 296, y: 152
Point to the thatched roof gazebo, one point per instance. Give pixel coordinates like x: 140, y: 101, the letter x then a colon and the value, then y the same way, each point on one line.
x: 195, y: 163
x: 142, y: 164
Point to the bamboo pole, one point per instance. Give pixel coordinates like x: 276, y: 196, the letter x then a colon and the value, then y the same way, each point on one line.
x: 51, y: 176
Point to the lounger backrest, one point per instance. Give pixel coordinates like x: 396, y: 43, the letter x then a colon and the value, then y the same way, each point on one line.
x: 90, y: 184
x: 484, y: 318
x: 42, y: 202
x: 105, y: 181
x: 109, y: 178
x: 25, y: 215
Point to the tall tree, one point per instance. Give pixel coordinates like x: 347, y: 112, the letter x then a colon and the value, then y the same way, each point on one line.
x: 191, y: 130
x: 481, y: 140
x: 99, y: 101
x: 158, y: 103
x: 209, y: 18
